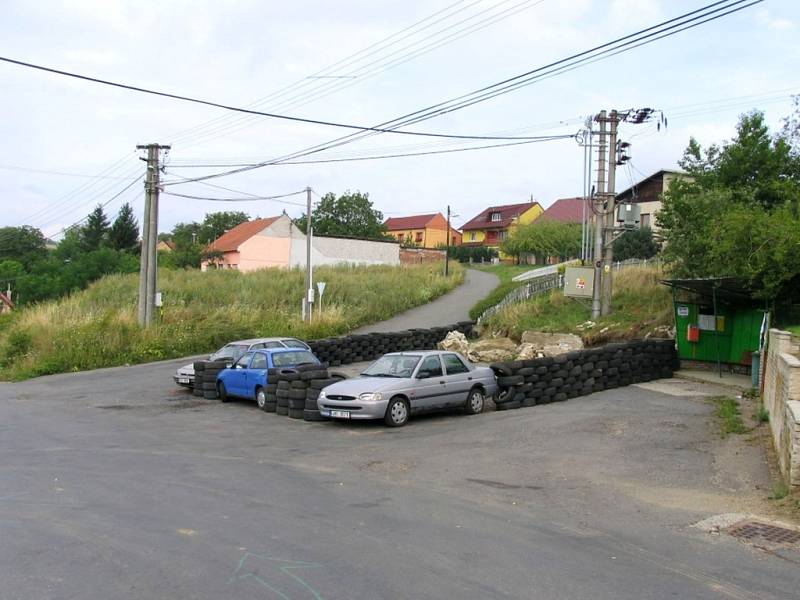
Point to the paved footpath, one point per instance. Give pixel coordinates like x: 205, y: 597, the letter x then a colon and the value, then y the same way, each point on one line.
x: 450, y: 308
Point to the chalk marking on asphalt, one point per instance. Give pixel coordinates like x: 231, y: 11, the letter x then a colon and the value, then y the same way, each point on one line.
x: 187, y: 532
x: 286, y: 569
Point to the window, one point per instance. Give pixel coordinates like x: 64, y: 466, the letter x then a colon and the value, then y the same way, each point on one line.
x: 242, y: 362
x: 419, y: 236
x: 472, y: 236
x: 432, y: 365
x: 501, y: 235
x: 293, y: 358
x: 453, y: 364
x: 495, y: 216
x: 272, y: 345
x: 294, y: 343
x: 259, y: 361
x: 399, y: 236
x: 231, y: 351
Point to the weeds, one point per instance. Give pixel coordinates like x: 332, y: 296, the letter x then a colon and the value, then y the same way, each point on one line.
x: 729, y: 415
x: 97, y: 327
x: 762, y: 415
x: 779, y: 490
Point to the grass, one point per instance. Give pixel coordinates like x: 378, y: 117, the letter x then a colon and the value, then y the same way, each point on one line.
x: 762, y: 414
x: 795, y: 329
x: 505, y: 273
x: 729, y: 415
x: 779, y: 490
x: 98, y: 327
x: 641, y: 306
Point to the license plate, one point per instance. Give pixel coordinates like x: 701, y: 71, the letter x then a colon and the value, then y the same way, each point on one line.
x: 340, y: 414
x: 183, y: 380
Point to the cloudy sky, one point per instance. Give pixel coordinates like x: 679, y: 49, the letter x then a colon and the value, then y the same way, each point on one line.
x: 69, y: 145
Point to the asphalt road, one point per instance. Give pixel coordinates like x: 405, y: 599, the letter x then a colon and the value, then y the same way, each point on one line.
x: 115, y: 484
x: 450, y: 308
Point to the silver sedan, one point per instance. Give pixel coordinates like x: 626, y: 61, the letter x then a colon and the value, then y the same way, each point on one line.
x: 402, y: 384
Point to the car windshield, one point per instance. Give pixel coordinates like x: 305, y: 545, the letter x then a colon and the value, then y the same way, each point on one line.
x: 293, y: 358
x: 294, y: 344
x: 393, y: 365
x: 233, y: 351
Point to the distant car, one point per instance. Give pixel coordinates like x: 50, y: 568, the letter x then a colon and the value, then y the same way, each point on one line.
x: 233, y: 351
x: 402, y: 384
x: 248, y: 376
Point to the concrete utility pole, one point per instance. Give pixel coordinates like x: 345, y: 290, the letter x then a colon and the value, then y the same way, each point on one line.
x: 447, y: 247
x: 309, y: 275
x: 598, y: 216
x: 611, y: 218
x: 148, y: 270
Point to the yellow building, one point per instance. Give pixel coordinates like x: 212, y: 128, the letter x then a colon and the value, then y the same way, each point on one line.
x: 496, y: 223
x: 427, y: 231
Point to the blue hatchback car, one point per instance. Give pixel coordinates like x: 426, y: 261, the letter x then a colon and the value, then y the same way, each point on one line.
x: 247, y: 377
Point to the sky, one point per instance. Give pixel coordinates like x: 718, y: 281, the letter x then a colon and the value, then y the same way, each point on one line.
x: 70, y: 144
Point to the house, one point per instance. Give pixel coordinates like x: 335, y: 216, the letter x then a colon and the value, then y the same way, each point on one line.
x: 427, y: 231
x: 165, y: 246
x: 277, y: 242
x: 647, y: 194
x: 494, y: 224
x: 6, y: 305
x: 567, y: 210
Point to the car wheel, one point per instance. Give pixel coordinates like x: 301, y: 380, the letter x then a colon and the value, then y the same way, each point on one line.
x: 475, y: 402
x: 261, y: 398
x: 223, y: 393
x: 396, y: 412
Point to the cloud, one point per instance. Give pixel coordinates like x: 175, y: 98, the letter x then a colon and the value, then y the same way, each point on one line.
x: 764, y: 17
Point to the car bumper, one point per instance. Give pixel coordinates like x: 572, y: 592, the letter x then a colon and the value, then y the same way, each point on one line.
x: 355, y: 409
x: 184, y: 380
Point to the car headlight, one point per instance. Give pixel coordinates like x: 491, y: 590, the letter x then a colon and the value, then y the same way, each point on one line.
x: 322, y: 393
x: 370, y: 397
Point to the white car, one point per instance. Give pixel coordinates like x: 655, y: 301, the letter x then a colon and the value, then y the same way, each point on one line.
x: 233, y: 351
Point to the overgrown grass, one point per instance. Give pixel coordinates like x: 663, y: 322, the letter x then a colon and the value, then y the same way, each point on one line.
x: 98, y: 327
x: 641, y: 306
x: 729, y: 414
x: 505, y: 273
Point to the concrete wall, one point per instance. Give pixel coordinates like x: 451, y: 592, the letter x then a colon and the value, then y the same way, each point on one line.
x: 336, y: 251
x: 415, y: 256
x: 782, y: 400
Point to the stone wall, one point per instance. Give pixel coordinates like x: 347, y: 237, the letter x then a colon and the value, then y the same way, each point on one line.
x: 782, y: 399
x: 415, y: 256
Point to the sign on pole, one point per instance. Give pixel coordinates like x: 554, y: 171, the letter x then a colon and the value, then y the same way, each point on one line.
x: 321, y: 290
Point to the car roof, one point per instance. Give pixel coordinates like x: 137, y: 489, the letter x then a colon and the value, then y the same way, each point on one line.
x: 252, y: 341
x: 281, y: 350
x: 419, y: 353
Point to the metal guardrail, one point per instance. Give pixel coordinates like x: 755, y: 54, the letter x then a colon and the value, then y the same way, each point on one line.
x: 540, y: 285
x: 542, y: 271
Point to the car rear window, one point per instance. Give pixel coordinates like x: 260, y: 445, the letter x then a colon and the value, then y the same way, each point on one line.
x: 293, y: 358
x: 294, y: 344
x: 233, y: 351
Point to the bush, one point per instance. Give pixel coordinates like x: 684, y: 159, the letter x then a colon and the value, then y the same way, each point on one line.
x: 467, y: 254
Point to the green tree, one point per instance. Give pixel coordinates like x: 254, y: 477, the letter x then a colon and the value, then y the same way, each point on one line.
x: 543, y: 240
x: 24, y: 244
x: 124, y: 232
x: 215, y: 224
x: 635, y: 243
x: 95, y: 233
x: 351, y: 214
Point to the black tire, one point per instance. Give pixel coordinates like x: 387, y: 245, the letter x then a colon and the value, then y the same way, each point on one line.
x: 261, y: 398
x: 315, y: 374
x: 295, y: 413
x: 313, y: 415
x: 297, y: 404
x: 270, y: 407
x: 210, y: 394
x: 281, y: 410
x: 222, y: 392
x: 197, y: 391
x: 295, y: 394
x: 199, y: 365
x: 208, y: 386
x: 476, y: 401
x: 509, y: 405
x: 336, y: 375
x: 289, y: 375
x: 502, y: 369
x: 397, y: 412
x: 510, y: 380
x: 299, y: 384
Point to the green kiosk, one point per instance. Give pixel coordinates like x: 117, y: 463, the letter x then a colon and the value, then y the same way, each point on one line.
x: 717, y: 320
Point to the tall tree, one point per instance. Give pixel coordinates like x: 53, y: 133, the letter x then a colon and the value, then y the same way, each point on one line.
x: 215, y: 224
x: 23, y: 244
x: 636, y: 243
x: 124, y: 233
x: 351, y: 214
x: 95, y: 233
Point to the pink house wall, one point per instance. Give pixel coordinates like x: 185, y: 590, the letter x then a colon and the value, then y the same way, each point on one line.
x: 262, y: 251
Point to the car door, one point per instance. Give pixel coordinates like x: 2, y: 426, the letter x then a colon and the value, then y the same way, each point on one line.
x: 457, y: 378
x: 430, y: 391
x: 235, y: 381
x: 256, y: 374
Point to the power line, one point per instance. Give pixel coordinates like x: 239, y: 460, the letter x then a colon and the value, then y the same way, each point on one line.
x: 246, y: 110
x: 102, y: 205
x: 666, y: 28
x: 62, y: 173
x: 276, y: 198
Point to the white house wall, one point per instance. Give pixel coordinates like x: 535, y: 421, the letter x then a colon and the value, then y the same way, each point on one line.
x: 333, y: 251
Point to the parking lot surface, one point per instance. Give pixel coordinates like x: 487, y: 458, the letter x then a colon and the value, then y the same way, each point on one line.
x: 116, y: 484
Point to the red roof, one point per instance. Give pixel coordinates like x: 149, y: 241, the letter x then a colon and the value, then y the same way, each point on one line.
x: 231, y: 240
x: 412, y: 222
x: 508, y: 213
x: 565, y: 210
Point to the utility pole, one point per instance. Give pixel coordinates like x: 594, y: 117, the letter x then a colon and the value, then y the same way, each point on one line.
x: 611, y: 217
x: 309, y: 276
x: 599, y: 216
x: 148, y: 270
x: 447, y: 248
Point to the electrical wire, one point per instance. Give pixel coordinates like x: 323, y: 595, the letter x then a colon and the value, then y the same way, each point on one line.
x: 275, y: 198
x: 102, y: 205
x: 666, y: 28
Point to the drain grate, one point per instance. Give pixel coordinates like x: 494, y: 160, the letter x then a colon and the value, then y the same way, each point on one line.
x: 751, y: 530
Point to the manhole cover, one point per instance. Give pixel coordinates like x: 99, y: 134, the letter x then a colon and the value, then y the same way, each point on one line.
x: 754, y: 530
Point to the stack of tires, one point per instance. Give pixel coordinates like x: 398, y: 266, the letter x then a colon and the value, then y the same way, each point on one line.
x: 208, y: 375
x: 296, y: 390
x: 197, y: 386
x: 369, y: 346
x: 524, y: 383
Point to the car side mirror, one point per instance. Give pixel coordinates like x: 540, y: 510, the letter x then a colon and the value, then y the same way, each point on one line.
x: 423, y: 374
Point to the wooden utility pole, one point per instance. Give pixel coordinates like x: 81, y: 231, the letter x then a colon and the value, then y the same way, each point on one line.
x: 599, y: 219
x: 148, y: 270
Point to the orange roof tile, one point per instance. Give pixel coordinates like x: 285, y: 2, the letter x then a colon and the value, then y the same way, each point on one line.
x: 231, y: 240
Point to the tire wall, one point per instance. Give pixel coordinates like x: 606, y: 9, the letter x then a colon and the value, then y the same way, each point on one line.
x: 369, y: 346
x: 582, y: 372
